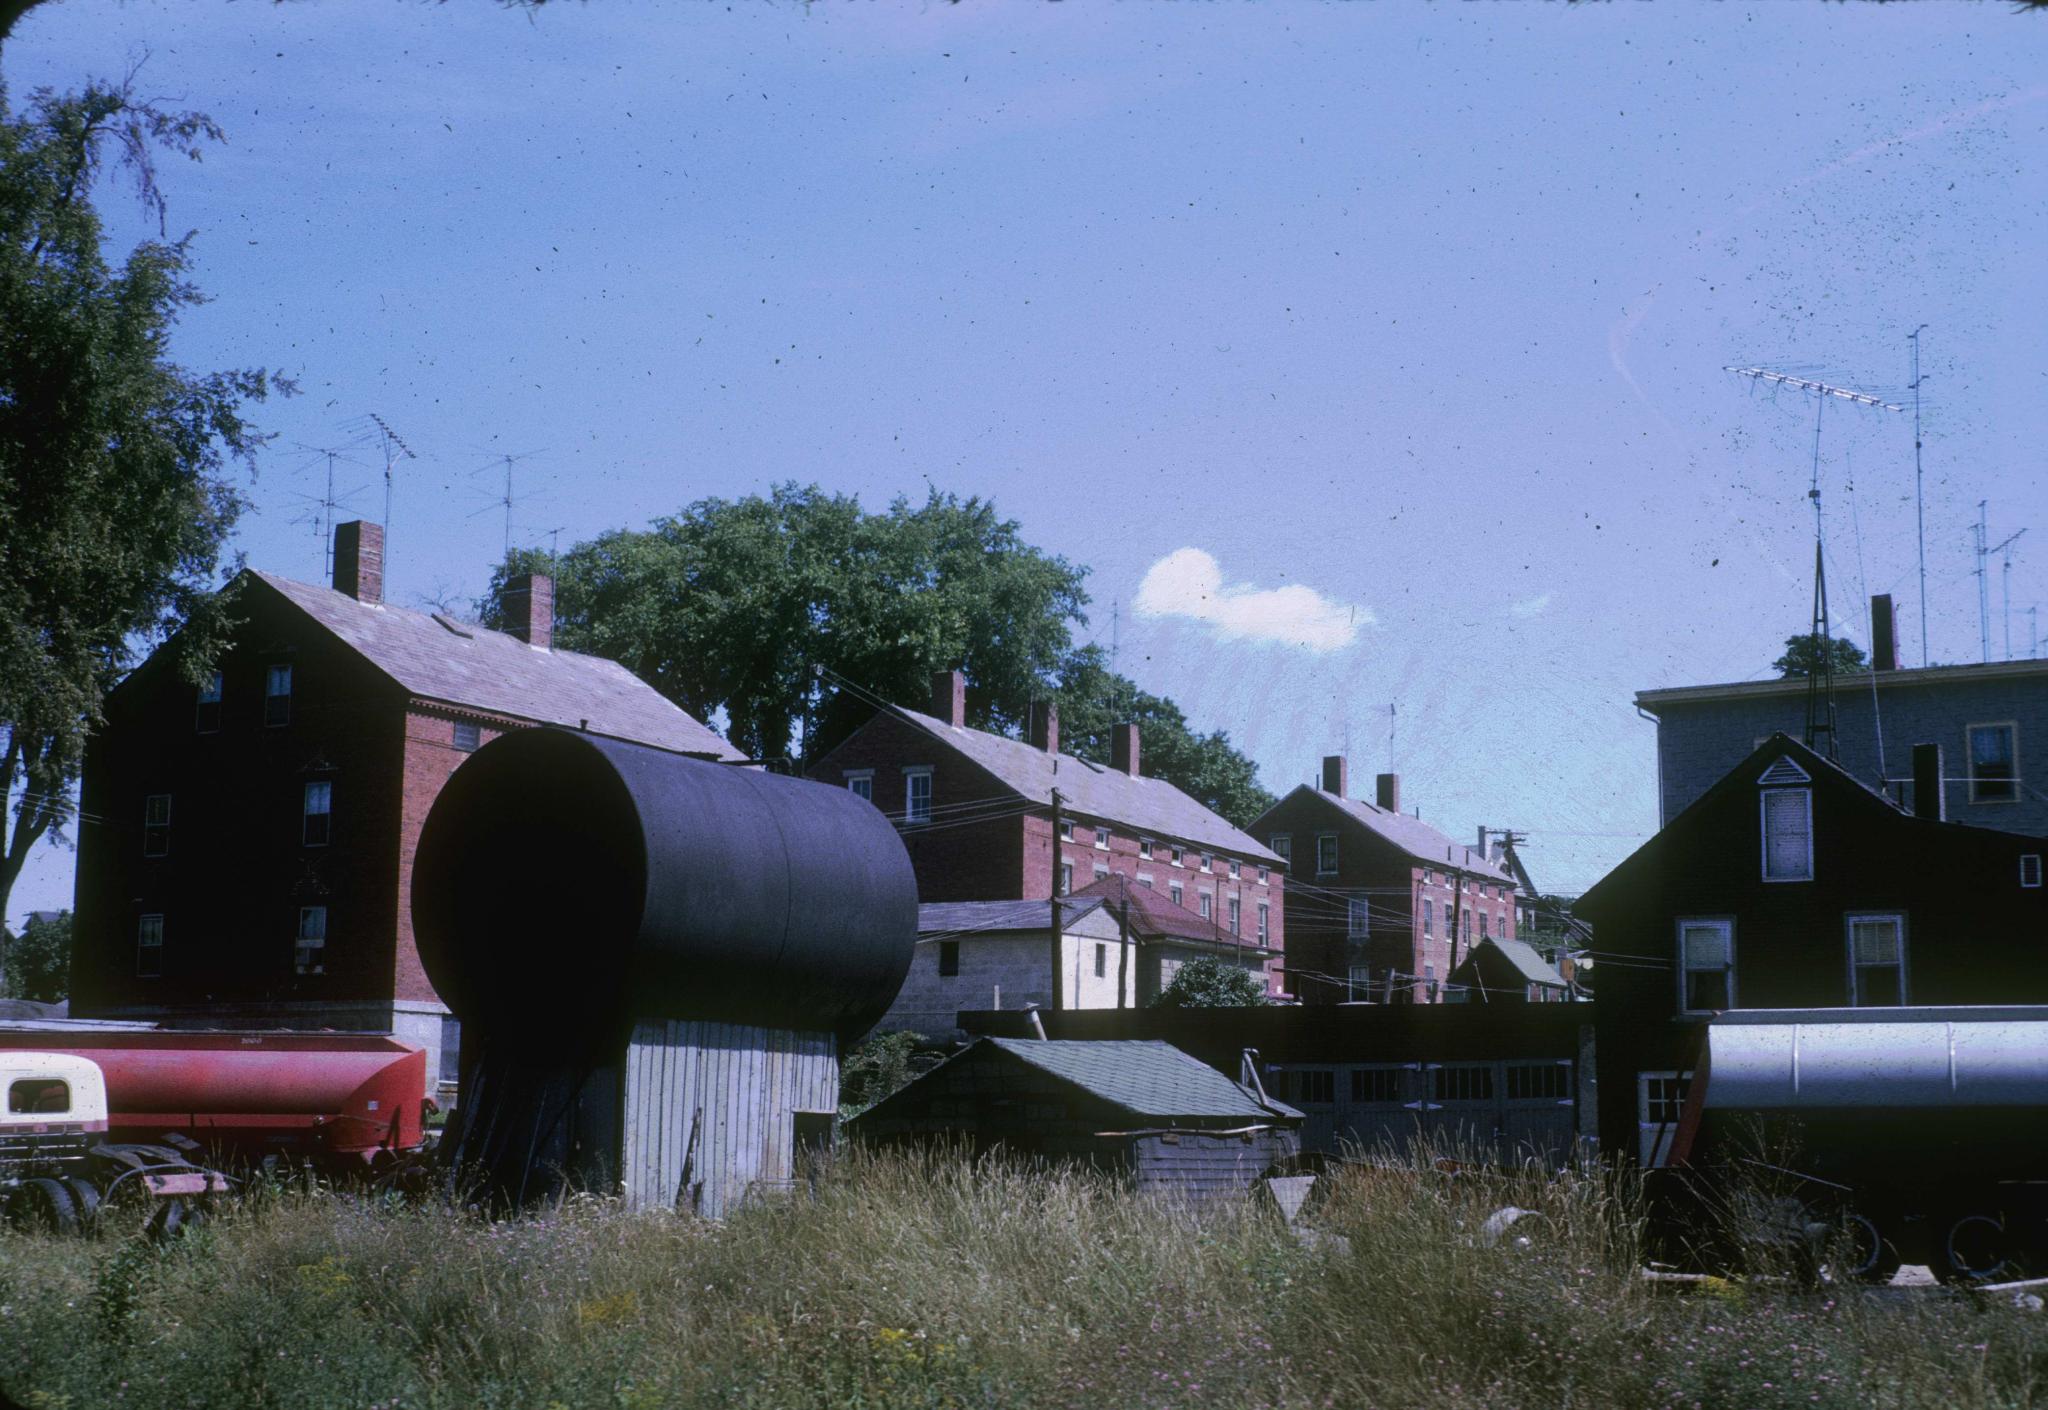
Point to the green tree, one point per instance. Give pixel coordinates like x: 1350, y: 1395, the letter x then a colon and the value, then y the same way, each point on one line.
x: 1803, y: 656
x: 115, y: 495
x: 1212, y: 984
x: 876, y: 1067
x: 39, y: 959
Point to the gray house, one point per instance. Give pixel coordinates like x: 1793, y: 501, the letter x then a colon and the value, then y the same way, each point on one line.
x: 998, y: 955
x: 1991, y: 722
x: 1142, y: 1110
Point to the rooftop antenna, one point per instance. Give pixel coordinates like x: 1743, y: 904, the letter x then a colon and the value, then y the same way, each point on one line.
x: 327, y: 503
x: 1820, y: 683
x: 2033, y: 634
x: 1985, y: 548
x: 395, y: 450
x: 2004, y: 551
x: 1391, y: 719
x: 508, y: 499
x: 1919, y: 502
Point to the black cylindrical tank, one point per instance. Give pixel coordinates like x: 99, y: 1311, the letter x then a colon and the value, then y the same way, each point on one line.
x: 577, y: 883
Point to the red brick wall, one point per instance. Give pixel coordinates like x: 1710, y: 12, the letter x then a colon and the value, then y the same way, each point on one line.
x: 430, y: 757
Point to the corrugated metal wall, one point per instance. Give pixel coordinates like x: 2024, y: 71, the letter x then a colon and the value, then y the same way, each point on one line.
x: 738, y: 1088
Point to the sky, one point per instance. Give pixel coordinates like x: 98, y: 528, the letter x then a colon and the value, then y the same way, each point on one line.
x: 1371, y: 357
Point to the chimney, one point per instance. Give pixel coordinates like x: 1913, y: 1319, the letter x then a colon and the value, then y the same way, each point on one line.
x: 949, y: 696
x: 1483, y: 832
x: 528, y: 606
x: 1884, y: 640
x: 1045, y: 726
x: 1337, y: 775
x: 359, y: 560
x: 1930, y: 799
x: 1390, y: 792
x: 1123, y: 749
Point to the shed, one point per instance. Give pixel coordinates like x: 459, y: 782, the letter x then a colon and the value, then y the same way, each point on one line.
x: 1500, y: 971
x: 1139, y: 1109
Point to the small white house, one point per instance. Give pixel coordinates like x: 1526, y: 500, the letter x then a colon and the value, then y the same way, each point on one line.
x: 998, y: 955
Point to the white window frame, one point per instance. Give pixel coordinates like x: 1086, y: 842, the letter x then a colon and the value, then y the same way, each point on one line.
x: 1101, y: 870
x: 1205, y: 904
x: 1727, y: 925
x: 1144, y: 879
x: 154, y: 829
x: 1066, y: 878
x: 1654, y: 1138
x: 1066, y: 829
x: 1178, y: 855
x: 1357, y: 917
x: 149, y: 939
x: 476, y: 736
x: 911, y: 774
x: 1263, y: 876
x: 1358, y: 983
x: 860, y: 783
x: 1233, y: 868
x: 1208, y: 861
x: 1849, y: 919
x: 272, y: 693
x: 1335, y: 858
x: 1175, y: 890
x: 1428, y: 918
x: 307, y: 812
x: 209, y: 694
x: 1265, y: 922
x: 1281, y: 845
x: 1234, y: 914
x: 1102, y: 839
x: 309, y: 940
x: 1145, y: 848
x: 1970, y: 763
x: 1763, y: 815
x: 2030, y: 871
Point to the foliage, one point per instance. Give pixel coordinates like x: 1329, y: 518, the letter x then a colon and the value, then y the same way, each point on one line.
x: 1206, y: 767
x: 874, y: 1068
x: 1208, y: 983
x: 39, y: 959
x: 115, y: 496
x: 761, y: 607
x: 1803, y: 656
x: 929, y: 1282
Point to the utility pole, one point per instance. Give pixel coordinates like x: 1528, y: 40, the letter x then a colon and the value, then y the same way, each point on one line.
x: 1059, y: 958
x: 1123, y: 944
x: 1919, y: 502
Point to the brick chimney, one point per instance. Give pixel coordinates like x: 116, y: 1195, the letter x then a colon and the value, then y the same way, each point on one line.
x: 1884, y: 639
x: 1337, y: 775
x: 528, y: 605
x: 949, y: 696
x: 1123, y: 749
x: 1045, y: 726
x: 1390, y: 792
x: 359, y: 560
x: 1930, y: 799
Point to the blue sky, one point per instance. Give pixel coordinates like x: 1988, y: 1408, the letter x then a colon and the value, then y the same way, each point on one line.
x: 1398, y: 328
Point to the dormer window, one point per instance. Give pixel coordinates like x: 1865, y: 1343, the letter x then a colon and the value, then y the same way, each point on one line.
x: 1787, y: 815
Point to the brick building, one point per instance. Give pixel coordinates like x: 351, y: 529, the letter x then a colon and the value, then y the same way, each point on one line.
x: 975, y: 811
x: 1990, y: 721
x: 248, y: 856
x: 1381, y: 906
x: 1791, y: 884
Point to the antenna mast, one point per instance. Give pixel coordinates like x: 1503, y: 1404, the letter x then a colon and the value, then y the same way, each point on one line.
x: 395, y: 450
x: 1919, y: 502
x: 2004, y: 551
x: 1983, y: 587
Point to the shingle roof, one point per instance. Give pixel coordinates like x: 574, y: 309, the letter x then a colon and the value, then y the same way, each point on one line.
x: 1529, y: 964
x: 436, y: 659
x: 960, y: 917
x: 1414, y: 836
x: 1145, y: 1077
x: 1149, y: 805
x: 1154, y: 915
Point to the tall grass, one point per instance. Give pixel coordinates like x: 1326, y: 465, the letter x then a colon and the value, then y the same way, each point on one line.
x: 932, y: 1282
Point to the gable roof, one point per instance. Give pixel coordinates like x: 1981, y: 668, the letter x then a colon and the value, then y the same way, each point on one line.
x: 1409, y: 834
x: 1526, y: 961
x: 1144, y: 1077
x: 1149, y: 805
x: 963, y: 917
x: 435, y: 658
x: 1156, y: 916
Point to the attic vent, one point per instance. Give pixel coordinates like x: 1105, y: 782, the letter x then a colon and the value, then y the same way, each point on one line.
x: 1784, y: 771
x: 454, y: 626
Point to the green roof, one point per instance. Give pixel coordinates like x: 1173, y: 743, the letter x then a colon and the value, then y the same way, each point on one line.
x: 1145, y: 1077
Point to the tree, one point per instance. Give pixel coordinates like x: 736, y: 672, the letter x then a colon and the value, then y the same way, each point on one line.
x: 39, y: 959
x: 1212, y: 984
x: 1803, y: 656
x: 115, y: 497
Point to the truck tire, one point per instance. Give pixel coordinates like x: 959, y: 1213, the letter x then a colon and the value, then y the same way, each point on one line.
x: 86, y: 1196
x: 1976, y: 1248
x: 1867, y: 1254
x: 45, y: 1204
x: 167, y: 1222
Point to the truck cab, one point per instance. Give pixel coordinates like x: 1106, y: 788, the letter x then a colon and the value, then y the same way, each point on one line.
x: 55, y: 1112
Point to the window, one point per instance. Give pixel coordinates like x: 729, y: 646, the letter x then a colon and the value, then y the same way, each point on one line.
x: 1145, y: 848
x: 2030, y: 870
x: 1101, y: 959
x: 156, y: 825
x: 1265, y: 915
x: 1463, y: 1082
x: 917, y: 795
x: 1357, y: 917
x: 1428, y: 877
x: 206, y: 716
x: 1482, y: 925
x: 1326, y: 854
x: 1376, y: 1085
x: 1262, y: 876
x: 467, y: 736
x: 38, y: 1096
x: 1066, y: 878
x: 1208, y: 861
x: 1429, y: 982
x: 1428, y: 918
x: 1236, y: 910
x: 1359, y: 989
x: 1179, y: 856
x: 1788, y: 834
x: 1101, y: 870
x: 1315, y: 1085
x: 149, y: 947
x: 1205, y: 904
x: 1233, y: 869
x: 1660, y: 1101
x: 1102, y: 838
x: 1282, y: 847
x: 1539, y: 1082
x: 1173, y: 890
x: 861, y: 786
x: 1877, y: 960
x: 1066, y: 829
x: 1994, y: 764
x: 277, y: 695
x: 309, y: 957
x: 1145, y: 880
x: 1465, y: 927
x: 1706, y: 965
x: 949, y: 958
x: 319, y: 813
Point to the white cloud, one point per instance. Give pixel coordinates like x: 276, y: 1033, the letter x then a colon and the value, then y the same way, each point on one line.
x: 1189, y: 583
x: 1531, y: 606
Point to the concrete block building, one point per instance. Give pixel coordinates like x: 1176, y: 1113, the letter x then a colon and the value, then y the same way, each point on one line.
x: 251, y: 862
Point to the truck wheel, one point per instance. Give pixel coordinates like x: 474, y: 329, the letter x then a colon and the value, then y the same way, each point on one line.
x: 44, y: 1204
x: 1976, y: 1249
x: 168, y: 1221
x: 86, y: 1197
x: 1866, y: 1254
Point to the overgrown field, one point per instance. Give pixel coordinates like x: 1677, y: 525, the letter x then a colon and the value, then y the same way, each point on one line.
x: 936, y: 1283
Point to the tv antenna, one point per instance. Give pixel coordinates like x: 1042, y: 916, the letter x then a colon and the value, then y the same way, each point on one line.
x: 325, y: 504
x: 1820, y: 682
x: 508, y: 499
x: 2004, y: 551
x: 395, y: 450
x: 1919, y: 502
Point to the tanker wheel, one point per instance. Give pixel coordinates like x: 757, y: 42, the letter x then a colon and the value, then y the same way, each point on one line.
x: 1863, y: 1251
x: 46, y: 1205
x: 1977, y: 1248
x: 86, y: 1196
x: 168, y: 1221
